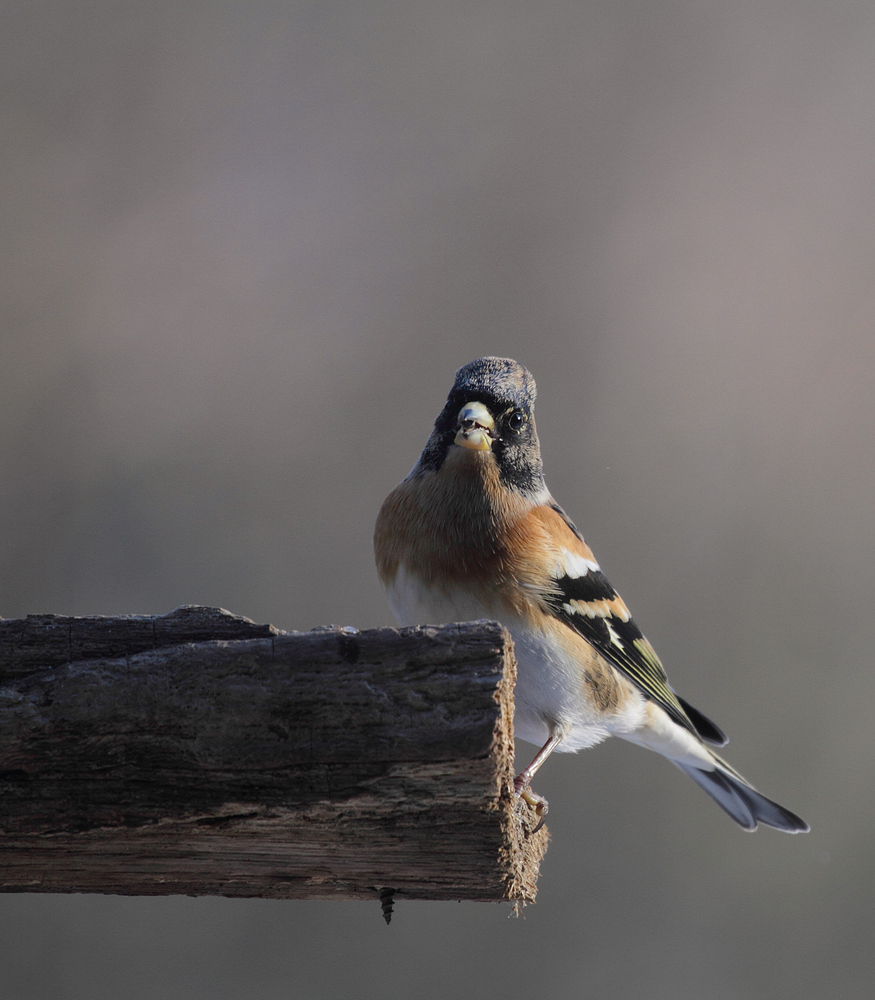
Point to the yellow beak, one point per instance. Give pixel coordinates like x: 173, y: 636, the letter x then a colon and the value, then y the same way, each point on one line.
x: 475, y: 427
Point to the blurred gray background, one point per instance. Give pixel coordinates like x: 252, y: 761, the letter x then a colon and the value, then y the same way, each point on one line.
x: 245, y: 248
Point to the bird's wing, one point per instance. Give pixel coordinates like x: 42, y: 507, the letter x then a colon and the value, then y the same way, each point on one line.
x: 581, y: 596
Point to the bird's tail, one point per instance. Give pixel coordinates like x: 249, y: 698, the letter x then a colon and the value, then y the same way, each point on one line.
x: 743, y: 802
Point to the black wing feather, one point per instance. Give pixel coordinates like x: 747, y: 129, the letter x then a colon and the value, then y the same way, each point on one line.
x: 622, y: 643
x: 708, y: 730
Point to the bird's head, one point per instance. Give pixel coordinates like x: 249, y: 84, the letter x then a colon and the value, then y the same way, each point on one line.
x: 489, y: 417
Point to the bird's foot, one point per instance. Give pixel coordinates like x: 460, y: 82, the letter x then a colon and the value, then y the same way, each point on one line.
x: 522, y: 791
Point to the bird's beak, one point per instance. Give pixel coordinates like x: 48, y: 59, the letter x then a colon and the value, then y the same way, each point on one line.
x: 475, y: 427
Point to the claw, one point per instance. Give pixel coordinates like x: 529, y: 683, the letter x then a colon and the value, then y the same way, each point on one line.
x: 537, y: 802
x: 521, y: 781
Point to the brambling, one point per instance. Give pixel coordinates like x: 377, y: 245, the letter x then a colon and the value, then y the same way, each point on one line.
x: 473, y: 533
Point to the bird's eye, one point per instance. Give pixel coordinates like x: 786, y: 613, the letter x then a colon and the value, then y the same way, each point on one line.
x: 516, y: 420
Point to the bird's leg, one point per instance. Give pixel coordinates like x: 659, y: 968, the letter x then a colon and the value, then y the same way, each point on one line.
x: 521, y: 781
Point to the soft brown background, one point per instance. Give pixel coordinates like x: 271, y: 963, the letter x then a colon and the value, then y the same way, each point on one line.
x: 244, y: 249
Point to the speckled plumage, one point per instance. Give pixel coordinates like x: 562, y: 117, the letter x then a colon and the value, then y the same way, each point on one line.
x: 473, y: 532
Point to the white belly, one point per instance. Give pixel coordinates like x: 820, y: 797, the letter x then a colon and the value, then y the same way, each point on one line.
x: 414, y: 603
x: 549, y: 696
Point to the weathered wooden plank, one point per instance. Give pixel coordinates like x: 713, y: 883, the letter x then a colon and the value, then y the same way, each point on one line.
x: 326, y: 764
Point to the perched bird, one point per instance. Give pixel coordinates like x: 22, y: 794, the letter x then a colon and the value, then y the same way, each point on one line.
x: 473, y: 532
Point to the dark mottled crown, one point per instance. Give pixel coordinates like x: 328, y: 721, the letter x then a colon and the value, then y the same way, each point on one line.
x: 499, y: 379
